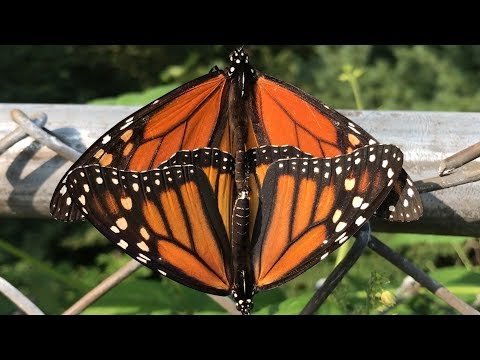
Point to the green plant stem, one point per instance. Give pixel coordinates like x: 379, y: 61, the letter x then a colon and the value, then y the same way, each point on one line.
x: 40, y: 265
x: 356, y: 93
x: 463, y: 257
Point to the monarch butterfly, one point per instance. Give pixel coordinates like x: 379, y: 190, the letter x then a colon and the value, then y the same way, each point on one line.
x: 235, y: 182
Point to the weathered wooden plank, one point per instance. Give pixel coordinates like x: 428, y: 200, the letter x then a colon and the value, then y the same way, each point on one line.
x: 29, y: 172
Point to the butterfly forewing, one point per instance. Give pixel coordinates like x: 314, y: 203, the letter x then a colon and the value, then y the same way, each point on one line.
x: 168, y: 219
x: 291, y: 116
x: 310, y: 206
x: 183, y: 119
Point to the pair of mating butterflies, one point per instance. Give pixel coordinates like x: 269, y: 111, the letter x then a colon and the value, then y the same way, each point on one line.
x: 235, y: 182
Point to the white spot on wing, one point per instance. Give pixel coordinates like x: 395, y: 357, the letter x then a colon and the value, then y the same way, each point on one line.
x: 341, y: 225
x: 390, y: 173
x: 106, y: 139
x: 123, y: 244
x: 349, y: 184
x: 336, y: 216
x: 357, y: 201
x: 360, y: 220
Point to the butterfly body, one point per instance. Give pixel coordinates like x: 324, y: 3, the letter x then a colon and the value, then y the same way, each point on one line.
x: 235, y: 183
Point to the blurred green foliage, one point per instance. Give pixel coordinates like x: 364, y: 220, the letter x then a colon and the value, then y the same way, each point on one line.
x: 55, y: 263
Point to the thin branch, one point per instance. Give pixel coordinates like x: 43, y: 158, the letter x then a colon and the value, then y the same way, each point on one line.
x: 465, y: 176
x: 100, y: 290
x: 426, y: 281
x: 332, y: 281
x: 20, y: 300
x: 44, y: 136
x: 459, y: 159
x: 117, y: 277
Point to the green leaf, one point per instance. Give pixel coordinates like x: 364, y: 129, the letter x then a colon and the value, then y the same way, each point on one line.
x: 290, y: 306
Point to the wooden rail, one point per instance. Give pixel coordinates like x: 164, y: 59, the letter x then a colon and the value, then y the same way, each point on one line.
x: 29, y: 171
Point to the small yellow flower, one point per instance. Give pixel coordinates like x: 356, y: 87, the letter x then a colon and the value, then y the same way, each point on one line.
x: 387, y: 298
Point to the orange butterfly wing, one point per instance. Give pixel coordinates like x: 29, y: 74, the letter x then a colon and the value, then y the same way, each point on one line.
x: 310, y: 206
x: 185, y: 118
x: 287, y: 115
x: 167, y: 219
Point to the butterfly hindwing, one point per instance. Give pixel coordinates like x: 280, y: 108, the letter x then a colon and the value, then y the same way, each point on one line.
x: 167, y: 218
x: 310, y: 206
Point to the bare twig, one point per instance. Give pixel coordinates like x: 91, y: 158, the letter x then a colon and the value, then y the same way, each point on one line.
x: 44, y: 136
x: 100, y: 290
x: 332, y: 281
x: 117, y: 277
x: 39, y: 119
x: 467, y: 175
x: 459, y: 159
x: 20, y: 300
x: 426, y: 281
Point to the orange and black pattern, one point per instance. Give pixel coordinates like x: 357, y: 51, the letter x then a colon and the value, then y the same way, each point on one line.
x: 196, y: 115
x: 235, y: 182
x: 325, y: 201
x: 168, y: 219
